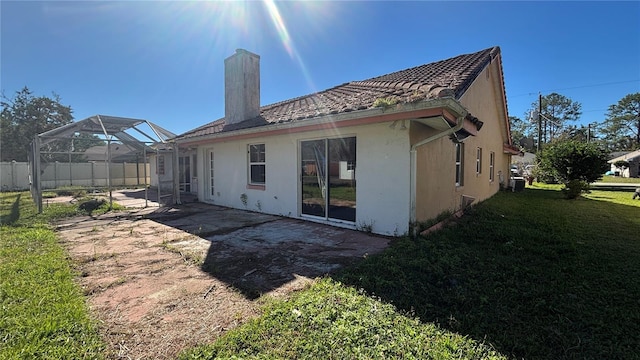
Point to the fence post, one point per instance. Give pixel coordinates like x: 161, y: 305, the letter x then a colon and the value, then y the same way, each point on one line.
x: 14, y: 176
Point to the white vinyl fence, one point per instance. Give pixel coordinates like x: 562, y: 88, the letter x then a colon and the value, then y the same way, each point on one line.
x: 15, y: 175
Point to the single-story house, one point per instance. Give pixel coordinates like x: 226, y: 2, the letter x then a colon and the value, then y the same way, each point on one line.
x: 377, y: 155
x: 633, y: 170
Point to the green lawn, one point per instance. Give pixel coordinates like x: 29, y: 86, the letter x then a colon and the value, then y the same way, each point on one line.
x: 535, y: 275
x: 331, y: 321
x: 528, y: 275
x: 618, y: 179
x: 43, y: 315
x: 522, y: 275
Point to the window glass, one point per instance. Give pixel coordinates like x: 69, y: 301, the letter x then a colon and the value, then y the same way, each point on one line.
x: 257, y: 166
x: 256, y: 153
x: 459, y: 164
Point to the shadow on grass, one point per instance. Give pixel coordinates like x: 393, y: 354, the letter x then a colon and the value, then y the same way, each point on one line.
x: 14, y: 213
x: 533, y: 274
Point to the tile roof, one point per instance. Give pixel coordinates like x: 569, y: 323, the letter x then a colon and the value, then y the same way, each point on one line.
x: 450, y: 77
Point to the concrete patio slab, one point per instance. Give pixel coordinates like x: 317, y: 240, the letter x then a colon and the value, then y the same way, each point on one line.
x: 185, y: 274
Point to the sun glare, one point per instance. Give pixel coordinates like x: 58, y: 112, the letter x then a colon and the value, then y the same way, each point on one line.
x: 278, y: 23
x: 218, y: 28
x: 287, y: 42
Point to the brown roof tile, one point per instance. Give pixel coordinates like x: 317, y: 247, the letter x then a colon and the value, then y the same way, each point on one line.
x: 450, y: 77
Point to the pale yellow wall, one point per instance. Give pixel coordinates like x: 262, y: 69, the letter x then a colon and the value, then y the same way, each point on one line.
x: 436, y: 191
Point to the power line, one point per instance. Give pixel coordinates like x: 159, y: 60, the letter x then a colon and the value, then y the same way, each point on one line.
x: 577, y: 87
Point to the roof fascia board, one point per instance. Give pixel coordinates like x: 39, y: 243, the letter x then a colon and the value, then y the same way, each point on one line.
x: 503, y: 94
x: 446, y: 107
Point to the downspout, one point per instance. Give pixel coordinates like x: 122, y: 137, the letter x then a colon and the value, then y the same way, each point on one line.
x: 414, y: 164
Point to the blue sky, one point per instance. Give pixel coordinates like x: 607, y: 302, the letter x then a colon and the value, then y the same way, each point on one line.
x: 163, y: 61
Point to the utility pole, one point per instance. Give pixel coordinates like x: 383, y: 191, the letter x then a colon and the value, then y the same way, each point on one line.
x: 539, y: 122
x: 589, y: 132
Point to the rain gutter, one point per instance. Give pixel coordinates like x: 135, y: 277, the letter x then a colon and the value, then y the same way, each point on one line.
x: 430, y: 108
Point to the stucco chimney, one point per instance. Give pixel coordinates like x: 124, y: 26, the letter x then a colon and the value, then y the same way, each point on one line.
x: 241, y: 86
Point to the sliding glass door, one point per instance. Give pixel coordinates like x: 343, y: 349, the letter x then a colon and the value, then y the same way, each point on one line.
x: 328, y: 176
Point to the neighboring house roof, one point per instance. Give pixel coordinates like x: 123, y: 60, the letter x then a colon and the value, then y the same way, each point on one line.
x: 628, y: 156
x: 445, y: 78
x: 616, y: 154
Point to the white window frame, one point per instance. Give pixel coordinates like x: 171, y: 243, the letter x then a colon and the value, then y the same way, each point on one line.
x: 459, y: 169
x: 478, y: 161
x: 492, y: 161
x: 252, y: 162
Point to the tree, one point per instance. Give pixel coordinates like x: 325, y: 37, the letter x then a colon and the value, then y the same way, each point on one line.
x: 24, y: 116
x: 622, y: 125
x: 621, y: 165
x: 575, y: 164
x: 521, y: 133
x: 556, y: 111
x: 582, y: 133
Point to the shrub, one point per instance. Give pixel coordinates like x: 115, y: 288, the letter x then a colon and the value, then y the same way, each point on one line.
x: 573, y: 163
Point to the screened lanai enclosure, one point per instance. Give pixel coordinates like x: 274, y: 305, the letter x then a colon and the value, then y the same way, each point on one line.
x: 102, y: 153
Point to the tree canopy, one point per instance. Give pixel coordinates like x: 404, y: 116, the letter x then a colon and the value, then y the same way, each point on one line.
x: 622, y: 126
x: 555, y: 112
x: 522, y: 133
x: 26, y: 115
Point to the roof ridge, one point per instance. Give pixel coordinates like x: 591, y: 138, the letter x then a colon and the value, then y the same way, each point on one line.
x: 378, y: 80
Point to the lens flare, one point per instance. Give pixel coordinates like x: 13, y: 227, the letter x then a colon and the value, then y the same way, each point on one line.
x: 278, y: 23
x: 287, y: 42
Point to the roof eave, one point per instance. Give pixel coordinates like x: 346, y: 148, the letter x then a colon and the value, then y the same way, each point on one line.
x: 372, y: 115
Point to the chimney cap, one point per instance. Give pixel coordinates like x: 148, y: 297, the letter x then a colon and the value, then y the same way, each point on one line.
x: 243, y: 51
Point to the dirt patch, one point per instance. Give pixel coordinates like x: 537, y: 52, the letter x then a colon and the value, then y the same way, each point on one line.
x: 151, y: 301
x: 158, y: 286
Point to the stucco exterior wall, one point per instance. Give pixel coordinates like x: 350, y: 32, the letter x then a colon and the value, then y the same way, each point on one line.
x: 435, y: 180
x: 382, y: 181
x: 436, y: 190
